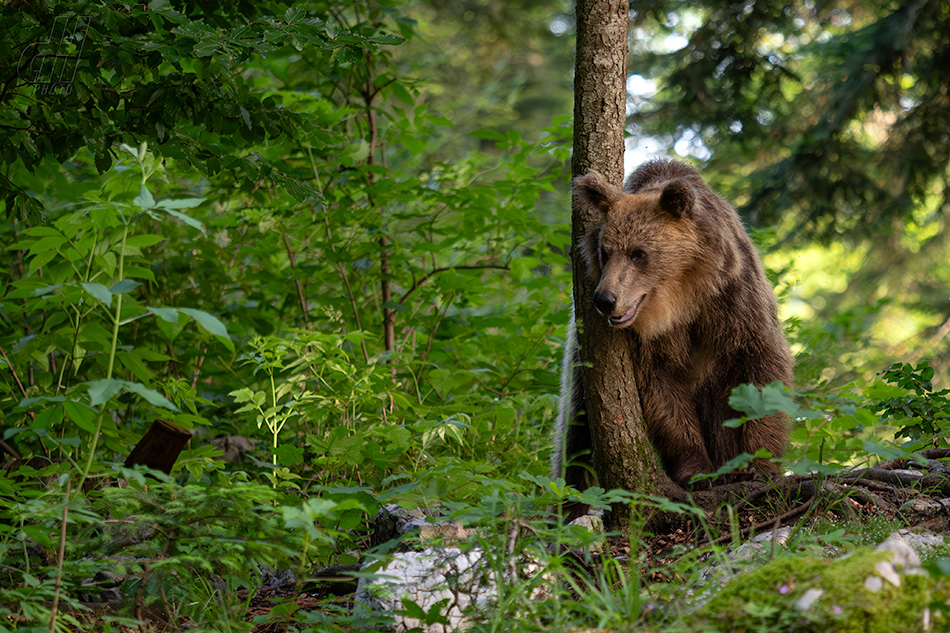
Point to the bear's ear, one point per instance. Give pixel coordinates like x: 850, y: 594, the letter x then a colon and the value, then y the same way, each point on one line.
x: 677, y: 198
x: 592, y: 191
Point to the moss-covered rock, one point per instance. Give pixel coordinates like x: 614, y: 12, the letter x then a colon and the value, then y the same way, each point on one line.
x: 821, y: 596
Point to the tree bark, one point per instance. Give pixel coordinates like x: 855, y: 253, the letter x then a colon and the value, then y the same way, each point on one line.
x: 622, y: 455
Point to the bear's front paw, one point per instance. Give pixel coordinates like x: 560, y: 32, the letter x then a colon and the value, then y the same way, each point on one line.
x: 700, y: 484
x: 695, y: 466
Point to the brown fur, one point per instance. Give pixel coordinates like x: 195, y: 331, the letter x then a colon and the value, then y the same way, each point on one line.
x: 677, y: 270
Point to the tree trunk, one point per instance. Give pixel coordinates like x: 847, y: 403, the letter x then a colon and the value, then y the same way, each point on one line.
x: 622, y: 455
x: 160, y: 447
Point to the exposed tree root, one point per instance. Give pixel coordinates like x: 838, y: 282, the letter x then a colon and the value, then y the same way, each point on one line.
x: 766, y: 504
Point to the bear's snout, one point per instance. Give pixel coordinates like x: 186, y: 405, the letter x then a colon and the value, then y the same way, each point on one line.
x: 605, y: 302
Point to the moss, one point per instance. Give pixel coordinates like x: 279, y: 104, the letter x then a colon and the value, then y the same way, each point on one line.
x: 764, y: 600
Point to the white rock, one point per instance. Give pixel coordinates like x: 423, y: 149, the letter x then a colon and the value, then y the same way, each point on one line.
x: 873, y: 583
x: 886, y: 571
x: 808, y: 599
x: 779, y: 536
x: 595, y: 525
x: 429, y: 576
x: 919, y: 541
x: 902, y: 554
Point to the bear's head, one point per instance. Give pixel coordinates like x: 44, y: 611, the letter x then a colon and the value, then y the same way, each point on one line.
x: 646, y: 254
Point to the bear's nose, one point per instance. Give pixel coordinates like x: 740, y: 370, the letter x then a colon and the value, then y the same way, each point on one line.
x: 605, y: 301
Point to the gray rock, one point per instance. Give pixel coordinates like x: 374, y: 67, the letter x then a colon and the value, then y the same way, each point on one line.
x: 921, y: 509
x: 745, y: 552
x: 392, y: 522
x: 464, y: 580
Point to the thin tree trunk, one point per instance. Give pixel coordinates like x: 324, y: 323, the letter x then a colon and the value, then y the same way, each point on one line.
x: 623, y: 457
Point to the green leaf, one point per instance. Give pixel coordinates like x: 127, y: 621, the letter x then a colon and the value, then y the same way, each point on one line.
x: 883, y: 451
x: 100, y: 292
x: 187, y: 219
x: 441, y: 120
x: 142, y: 241
x: 505, y: 415
x: 242, y: 395
x: 138, y: 272
x: 123, y: 286
x: 38, y: 535
x: 403, y: 94
x: 488, y: 135
x: 103, y: 390
x: 47, y: 244
x: 150, y: 395
x: 206, y: 48
x: 166, y: 314
x: 31, y: 580
x: 164, y: 9
x: 144, y: 200
x: 180, y: 203
x: 758, y: 403
x: 880, y: 391
x: 81, y: 415
x: 211, y: 324
x: 133, y: 363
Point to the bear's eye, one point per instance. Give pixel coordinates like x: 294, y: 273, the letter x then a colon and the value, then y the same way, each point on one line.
x: 603, y: 254
x: 638, y: 253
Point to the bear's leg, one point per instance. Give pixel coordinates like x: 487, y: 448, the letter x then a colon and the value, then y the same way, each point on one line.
x: 571, y: 457
x: 769, y: 433
x: 673, y: 424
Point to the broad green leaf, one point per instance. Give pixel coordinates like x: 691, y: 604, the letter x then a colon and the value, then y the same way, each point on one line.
x: 403, y: 94
x: 103, y: 390
x: 505, y: 415
x: 50, y: 243
x: 139, y: 272
x: 150, y: 395
x: 242, y: 395
x: 166, y: 314
x: 881, y: 391
x: 187, y: 219
x: 884, y: 451
x: 38, y: 535
x: 488, y: 135
x: 206, y: 48
x: 211, y: 324
x: 98, y: 291
x: 757, y: 403
x: 81, y: 415
x: 133, y: 363
x: 49, y: 419
x: 142, y: 241
x: 164, y: 9
x: 46, y: 290
x: 180, y: 203
x: 123, y: 286
x: 144, y: 200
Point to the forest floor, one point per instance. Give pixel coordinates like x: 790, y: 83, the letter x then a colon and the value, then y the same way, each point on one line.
x: 895, y: 494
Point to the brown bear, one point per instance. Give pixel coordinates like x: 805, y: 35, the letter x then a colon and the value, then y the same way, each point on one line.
x: 676, y: 269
